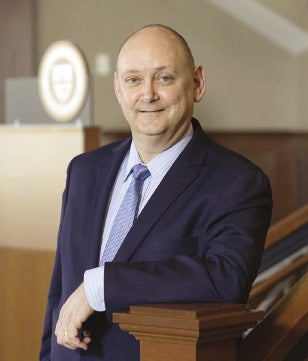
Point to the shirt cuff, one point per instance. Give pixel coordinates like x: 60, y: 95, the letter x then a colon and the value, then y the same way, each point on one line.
x: 94, y: 287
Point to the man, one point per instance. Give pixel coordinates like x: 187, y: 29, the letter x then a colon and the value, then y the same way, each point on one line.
x: 202, y: 218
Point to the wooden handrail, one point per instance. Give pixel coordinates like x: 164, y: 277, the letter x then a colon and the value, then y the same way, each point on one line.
x: 285, y: 325
x: 286, y: 226
x: 277, y: 232
x: 281, y: 275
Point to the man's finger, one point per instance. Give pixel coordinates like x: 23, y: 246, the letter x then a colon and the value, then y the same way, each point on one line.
x: 72, y: 342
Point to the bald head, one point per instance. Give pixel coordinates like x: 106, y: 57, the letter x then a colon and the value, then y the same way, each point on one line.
x: 162, y: 30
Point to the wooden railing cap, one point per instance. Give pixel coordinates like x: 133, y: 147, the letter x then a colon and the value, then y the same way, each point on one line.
x: 189, y: 316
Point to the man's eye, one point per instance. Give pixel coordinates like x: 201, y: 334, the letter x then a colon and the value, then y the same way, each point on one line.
x: 165, y: 78
x: 132, y: 80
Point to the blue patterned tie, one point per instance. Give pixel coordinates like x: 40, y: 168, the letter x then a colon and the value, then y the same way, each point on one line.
x: 127, y: 213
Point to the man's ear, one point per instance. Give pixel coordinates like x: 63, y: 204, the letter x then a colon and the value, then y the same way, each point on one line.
x: 199, y: 83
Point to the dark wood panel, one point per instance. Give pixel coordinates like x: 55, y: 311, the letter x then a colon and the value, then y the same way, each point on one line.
x: 283, y: 157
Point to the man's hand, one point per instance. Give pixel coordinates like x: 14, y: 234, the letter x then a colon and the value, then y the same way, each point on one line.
x: 74, y: 312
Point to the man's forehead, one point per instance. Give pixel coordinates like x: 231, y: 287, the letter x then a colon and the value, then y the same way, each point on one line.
x: 149, y: 52
x: 139, y: 61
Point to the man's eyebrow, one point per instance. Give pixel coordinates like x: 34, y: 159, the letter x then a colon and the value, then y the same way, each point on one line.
x: 136, y: 71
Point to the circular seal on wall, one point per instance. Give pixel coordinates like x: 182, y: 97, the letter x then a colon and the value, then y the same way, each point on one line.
x: 63, y: 81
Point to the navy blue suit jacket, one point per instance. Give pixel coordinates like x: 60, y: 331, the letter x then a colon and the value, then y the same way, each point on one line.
x: 199, y: 238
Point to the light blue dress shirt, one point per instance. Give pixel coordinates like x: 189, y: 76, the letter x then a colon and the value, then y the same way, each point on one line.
x: 158, y: 167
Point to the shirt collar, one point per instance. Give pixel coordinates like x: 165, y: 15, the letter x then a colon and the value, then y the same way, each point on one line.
x: 133, y: 157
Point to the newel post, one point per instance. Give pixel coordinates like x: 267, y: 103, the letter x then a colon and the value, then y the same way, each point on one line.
x: 188, y: 331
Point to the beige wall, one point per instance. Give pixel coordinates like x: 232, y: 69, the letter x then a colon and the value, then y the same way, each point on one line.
x: 252, y: 83
x: 32, y: 181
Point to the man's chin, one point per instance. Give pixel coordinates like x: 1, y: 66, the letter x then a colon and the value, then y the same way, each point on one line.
x: 151, y: 132
x: 151, y: 127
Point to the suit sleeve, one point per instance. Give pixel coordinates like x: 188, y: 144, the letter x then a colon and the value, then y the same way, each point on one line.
x: 55, y: 287
x: 229, y: 249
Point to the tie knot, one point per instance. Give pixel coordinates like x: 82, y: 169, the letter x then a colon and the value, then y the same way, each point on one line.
x: 140, y: 172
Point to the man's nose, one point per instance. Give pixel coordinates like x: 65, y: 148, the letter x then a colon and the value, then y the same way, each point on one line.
x: 149, y: 92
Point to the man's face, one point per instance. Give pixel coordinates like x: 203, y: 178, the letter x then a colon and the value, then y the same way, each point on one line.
x: 155, y: 84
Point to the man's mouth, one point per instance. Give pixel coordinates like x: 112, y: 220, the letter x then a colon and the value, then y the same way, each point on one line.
x: 151, y: 111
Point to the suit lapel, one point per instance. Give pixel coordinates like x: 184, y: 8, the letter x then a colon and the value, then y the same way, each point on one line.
x: 183, y: 172
x: 108, y: 170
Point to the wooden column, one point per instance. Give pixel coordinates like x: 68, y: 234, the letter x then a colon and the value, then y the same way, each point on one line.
x: 188, y: 332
